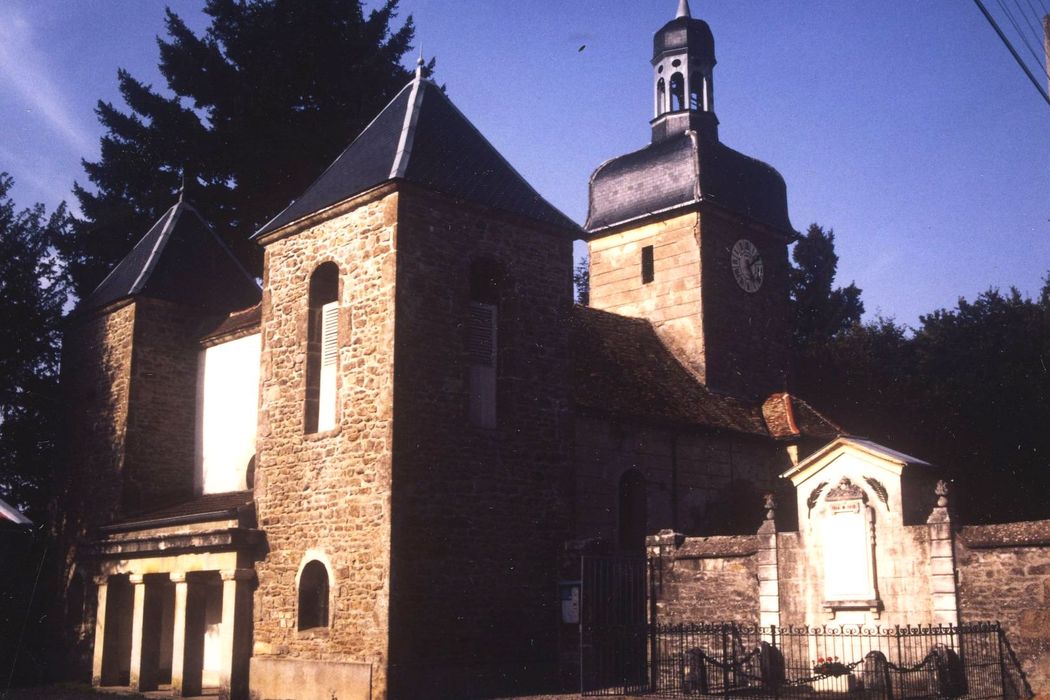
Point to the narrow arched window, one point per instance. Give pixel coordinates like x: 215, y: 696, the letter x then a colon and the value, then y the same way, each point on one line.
x: 661, y: 97
x: 677, y: 92
x: 632, y: 511
x: 313, y: 596
x: 696, y: 96
x: 322, y: 352
x: 482, y: 342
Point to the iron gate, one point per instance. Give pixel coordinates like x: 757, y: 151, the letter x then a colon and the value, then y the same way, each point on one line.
x: 613, y: 629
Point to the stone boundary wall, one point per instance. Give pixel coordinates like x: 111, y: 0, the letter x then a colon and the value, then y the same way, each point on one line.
x: 1004, y: 574
x: 706, y: 579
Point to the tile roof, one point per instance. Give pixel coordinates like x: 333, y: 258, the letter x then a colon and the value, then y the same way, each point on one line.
x: 179, y: 259
x: 421, y: 137
x: 621, y: 367
x: 788, y: 416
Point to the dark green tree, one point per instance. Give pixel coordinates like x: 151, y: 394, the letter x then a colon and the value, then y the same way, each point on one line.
x: 33, y: 289
x: 821, y: 310
x: 581, y: 281
x: 255, y: 108
x: 982, y: 371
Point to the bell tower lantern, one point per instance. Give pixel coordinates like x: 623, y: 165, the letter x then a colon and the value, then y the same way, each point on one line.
x: 692, y: 235
x: 683, y: 64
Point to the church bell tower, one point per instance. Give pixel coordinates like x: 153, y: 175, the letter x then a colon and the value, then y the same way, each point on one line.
x: 691, y: 234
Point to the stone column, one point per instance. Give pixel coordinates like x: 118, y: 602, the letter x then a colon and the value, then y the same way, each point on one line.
x: 100, y: 630
x: 138, y: 616
x: 768, y: 575
x: 234, y: 634
x: 187, y: 649
x: 943, y: 591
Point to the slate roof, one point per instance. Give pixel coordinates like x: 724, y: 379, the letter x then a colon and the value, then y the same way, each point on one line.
x: 180, y: 259
x: 683, y: 170
x: 622, y: 368
x: 212, y: 506
x: 247, y: 320
x: 422, y: 138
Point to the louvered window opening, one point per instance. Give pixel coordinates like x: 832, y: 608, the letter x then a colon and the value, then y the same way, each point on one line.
x: 329, y: 360
x: 481, y: 359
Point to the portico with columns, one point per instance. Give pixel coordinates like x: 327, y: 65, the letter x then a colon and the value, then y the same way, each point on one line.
x: 175, y: 600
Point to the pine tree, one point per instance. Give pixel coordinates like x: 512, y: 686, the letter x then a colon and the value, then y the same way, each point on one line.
x: 255, y: 109
x: 821, y: 310
x: 33, y: 290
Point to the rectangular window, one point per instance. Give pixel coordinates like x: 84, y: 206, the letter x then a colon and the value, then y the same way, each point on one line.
x: 647, y: 264
x: 326, y: 400
x: 481, y: 361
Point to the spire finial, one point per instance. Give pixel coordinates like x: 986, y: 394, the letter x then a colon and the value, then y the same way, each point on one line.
x: 182, y: 185
x: 683, y: 9
x: 420, y: 62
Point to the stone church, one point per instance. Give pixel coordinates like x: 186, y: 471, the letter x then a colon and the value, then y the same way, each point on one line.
x: 373, y: 475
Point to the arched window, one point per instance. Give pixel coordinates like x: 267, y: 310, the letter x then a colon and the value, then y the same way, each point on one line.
x: 632, y: 511
x: 322, y: 351
x: 482, y: 342
x: 661, y: 97
x: 313, y: 596
x: 249, y: 474
x: 696, y: 96
x: 677, y: 92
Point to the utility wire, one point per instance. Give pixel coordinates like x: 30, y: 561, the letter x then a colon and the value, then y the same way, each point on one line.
x: 1013, y: 51
x: 1039, y: 37
x: 1017, y: 28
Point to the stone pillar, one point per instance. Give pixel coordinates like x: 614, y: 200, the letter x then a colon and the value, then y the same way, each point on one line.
x: 234, y: 635
x: 100, y: 630
x: 943, y: 591
x: 187, y: 649
x: 138, y: 616
x: 768, y: 575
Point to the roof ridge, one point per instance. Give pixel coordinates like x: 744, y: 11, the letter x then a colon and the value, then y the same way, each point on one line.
x: 162, y: 238
x: 335, y: 160
x: 500, y: 155
x: 408, y: 131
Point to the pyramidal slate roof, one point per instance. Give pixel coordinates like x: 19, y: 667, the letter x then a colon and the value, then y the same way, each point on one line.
x: 180, y: 259
x: 421, y: 137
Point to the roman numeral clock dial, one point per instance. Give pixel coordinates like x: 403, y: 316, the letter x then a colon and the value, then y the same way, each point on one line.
x: 747, y: 265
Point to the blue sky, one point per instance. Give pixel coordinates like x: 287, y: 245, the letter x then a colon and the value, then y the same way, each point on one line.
x: 906, y: 126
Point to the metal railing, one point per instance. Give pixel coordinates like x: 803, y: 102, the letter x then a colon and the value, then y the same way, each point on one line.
x: 734, y: 660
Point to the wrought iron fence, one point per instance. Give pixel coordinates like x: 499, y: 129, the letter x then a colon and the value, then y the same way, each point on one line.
x: 897, y: 663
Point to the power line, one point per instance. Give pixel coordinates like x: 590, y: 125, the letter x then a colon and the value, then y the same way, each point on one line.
x: 1013, y: 51
x: 1037, y: 32
x: 1017, y: 28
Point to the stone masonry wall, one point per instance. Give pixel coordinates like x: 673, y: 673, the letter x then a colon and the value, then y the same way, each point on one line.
x: 689, y: 475
x: 707, y: 580
x: 746, y: 335
x: 96, y: 379
x: 1004, y: 575
x: 480, y: 514
x: 327, y: 495
x: 162, y: 404
x: 671, y: 301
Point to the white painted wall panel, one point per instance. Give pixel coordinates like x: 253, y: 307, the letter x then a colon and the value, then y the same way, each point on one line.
x: 227, y: 413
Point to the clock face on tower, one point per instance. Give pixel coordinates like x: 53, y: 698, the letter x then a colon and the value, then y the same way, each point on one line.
x: 747, y: 265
